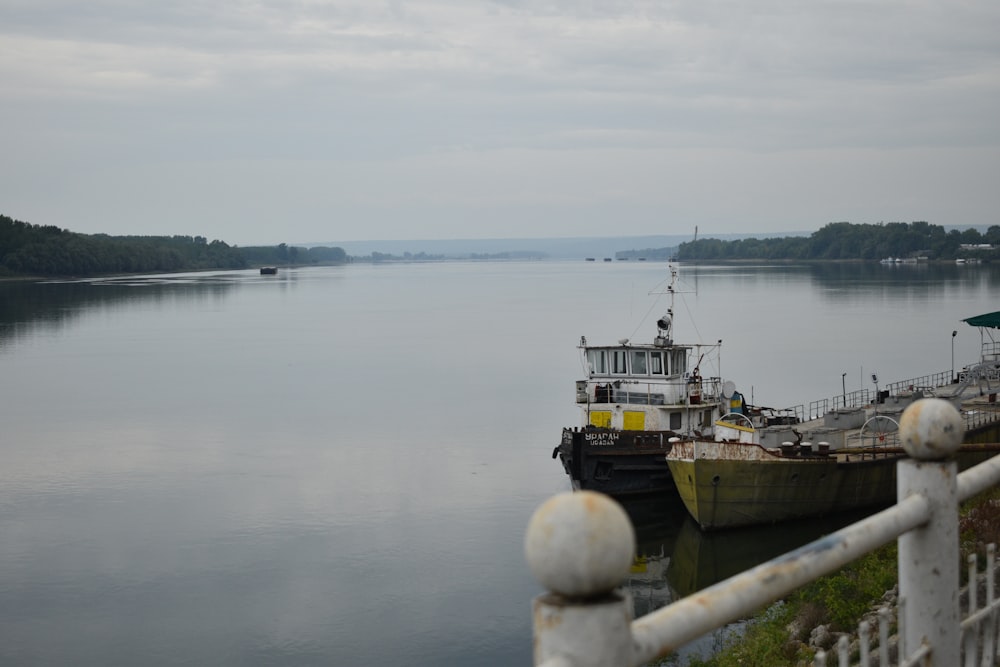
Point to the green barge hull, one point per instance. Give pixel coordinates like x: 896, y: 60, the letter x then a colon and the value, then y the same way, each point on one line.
x: 725, y: 485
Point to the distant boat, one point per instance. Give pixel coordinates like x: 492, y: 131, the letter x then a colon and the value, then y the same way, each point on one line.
x: 590, y: 259
x: 607, y: 259
x: 268, y: 270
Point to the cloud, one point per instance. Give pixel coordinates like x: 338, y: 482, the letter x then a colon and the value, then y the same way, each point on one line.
x: 483, y: 100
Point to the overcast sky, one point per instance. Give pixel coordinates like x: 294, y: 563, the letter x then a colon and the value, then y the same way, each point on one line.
x: 308, y: 121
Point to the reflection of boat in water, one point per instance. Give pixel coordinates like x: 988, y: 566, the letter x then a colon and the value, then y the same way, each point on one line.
x: 656, y: 528
x: 750, y: 475
x: 700, y: 559
x: 647, y: 583
x: 674, y: 558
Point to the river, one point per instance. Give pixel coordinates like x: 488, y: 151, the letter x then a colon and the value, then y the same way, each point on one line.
x: 336, y: 465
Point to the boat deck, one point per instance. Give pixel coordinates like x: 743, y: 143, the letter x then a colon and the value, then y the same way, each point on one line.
x: 873, y: 429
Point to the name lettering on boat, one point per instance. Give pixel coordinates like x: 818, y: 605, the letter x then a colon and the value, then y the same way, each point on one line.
x: 602, y: 438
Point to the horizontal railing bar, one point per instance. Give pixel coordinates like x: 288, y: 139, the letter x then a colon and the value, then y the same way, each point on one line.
x: 979, y: 478
x: 664, y: 631
x: 559, y: 661
x: 977, y: 617
x: 919, y: 657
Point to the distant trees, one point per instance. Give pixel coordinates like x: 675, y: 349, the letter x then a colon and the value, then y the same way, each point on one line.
x: 284, y: 254
x: 327, y: 255
x: 845, y: 240
x: 27, y: 249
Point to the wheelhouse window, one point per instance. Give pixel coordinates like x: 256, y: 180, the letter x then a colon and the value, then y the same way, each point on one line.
x: 656, y: 363
x: 639, y: 365
x: 598, y: 361
x: 678, y: 362
x: 618, y: 366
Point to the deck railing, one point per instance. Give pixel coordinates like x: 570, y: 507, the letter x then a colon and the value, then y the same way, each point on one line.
x: 932, y: 381
x: 981, y: 415
x: 862, y: 397
x: 580, y: 547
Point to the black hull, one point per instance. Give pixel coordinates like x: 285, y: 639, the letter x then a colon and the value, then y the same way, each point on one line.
x: 617, y: 463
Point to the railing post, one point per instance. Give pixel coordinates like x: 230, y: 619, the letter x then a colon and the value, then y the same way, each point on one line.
x: 931, y: 431
x: 580, y: 547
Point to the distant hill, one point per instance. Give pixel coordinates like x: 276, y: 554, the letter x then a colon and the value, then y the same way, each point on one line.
x: 551, y: 248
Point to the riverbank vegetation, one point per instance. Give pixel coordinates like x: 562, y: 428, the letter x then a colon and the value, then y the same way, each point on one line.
x: 782, y: 635
x: 848, y: 241
x: 44, y: 250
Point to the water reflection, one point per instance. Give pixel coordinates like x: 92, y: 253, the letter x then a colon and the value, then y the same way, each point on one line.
x: 675, y: 558
x: 29, y: 308
x: 837, y: 280
x: 922, y: 281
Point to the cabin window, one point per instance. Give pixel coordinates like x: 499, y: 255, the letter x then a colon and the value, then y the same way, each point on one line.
x: 598, y: 361
x: 678, y: 362
x: 639, y: 362
x: 656, y: 363
x: 618, y: 362
x: 675, y: 421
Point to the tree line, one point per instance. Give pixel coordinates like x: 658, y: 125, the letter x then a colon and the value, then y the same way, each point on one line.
x: 44, y: 250
x: 845, y: 240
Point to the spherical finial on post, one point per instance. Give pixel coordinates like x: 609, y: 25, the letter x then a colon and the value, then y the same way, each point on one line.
x: 580, y: 544
x: 931, y: 429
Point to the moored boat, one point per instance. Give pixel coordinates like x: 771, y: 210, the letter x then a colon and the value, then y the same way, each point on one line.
x: 636, y: 401
x: 842, y: 460
x: 727, y: 484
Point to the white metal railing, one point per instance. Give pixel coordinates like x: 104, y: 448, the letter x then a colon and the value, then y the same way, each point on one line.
x: 862, y: 397
x: 580, y: 546
x: 634, y: 391
x: 979, y: 629
x: 981, y: 415
x: 990, y: 373
x: 991, y: 350
x: 933, y: 381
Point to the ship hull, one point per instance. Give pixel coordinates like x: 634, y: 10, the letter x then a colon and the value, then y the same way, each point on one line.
x: 725, y: 485
x: 617, y: 463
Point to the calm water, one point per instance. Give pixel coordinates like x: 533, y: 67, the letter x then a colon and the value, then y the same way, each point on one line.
x: 336, y: 465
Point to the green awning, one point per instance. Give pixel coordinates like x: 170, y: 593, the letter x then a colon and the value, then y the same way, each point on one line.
x: 991, y: 320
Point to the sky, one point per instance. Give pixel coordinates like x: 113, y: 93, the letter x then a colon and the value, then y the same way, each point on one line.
x: 267, y: 121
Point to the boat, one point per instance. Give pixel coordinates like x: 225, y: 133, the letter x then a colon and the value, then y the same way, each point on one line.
x: 268, y: 270
x: 842, y: 459
x: 636, y: 401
